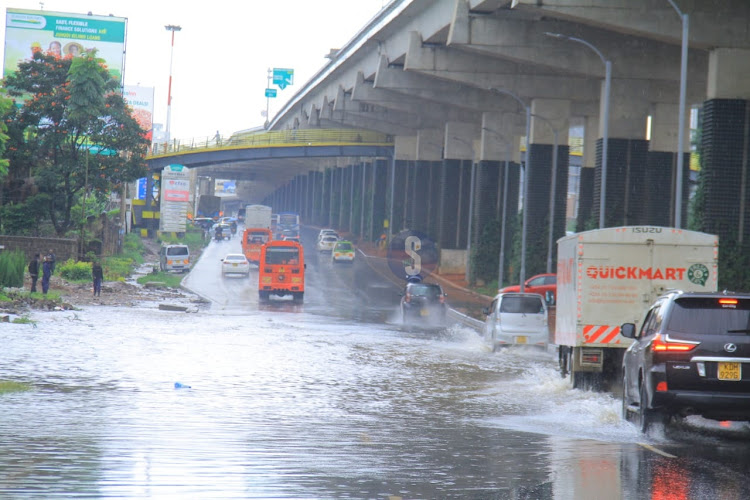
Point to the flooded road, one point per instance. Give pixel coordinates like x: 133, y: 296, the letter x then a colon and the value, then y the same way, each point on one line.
x: 333, y: 398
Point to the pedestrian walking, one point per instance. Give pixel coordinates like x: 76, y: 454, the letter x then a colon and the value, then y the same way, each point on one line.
x: 98, y: 274
x: 46, y: 273
x: 34, y: 271
x: 52, y: 260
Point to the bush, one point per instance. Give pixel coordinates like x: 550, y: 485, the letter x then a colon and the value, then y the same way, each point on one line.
x: 12, y: 268
x: 117, y: 268
x: 76, y: 271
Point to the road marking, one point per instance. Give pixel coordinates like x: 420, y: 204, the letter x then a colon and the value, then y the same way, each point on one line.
x: 657, y: 450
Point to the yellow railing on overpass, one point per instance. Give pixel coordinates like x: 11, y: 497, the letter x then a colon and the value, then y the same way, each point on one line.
x: 274, y: 139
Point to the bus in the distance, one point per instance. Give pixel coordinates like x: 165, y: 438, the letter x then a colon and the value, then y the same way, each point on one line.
x: 288, y: 225
x: 281, y: 270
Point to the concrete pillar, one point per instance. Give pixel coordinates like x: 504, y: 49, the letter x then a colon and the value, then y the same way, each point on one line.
x: 365, y: 210
x: 418, y: 202
x: 725, y: 145
x: 586, y: 219
x: 400, y: 195
x: 549, y: 116
x: 435, y: 193
x: 450, y: 211
x: 335, y: 203
x: 627, y: 157
x: 344, y: 198
x: 325, y: 197
x: 661, y: 171
x: 379, y: 197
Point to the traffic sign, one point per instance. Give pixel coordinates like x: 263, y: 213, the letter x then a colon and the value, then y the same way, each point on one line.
x: 283, y: 77
x: 270, y: 92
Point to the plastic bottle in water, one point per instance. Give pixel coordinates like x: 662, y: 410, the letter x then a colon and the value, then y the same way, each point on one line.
x: 178, y: 385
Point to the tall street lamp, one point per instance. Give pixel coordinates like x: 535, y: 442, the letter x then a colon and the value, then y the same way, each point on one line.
x: 605, y: 118
x: 524, y: 220
x: 172, y: 28
x: 681, y: 119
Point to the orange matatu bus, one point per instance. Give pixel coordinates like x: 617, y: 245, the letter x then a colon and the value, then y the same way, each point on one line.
x: 281, y: 270
x: 253, y: 239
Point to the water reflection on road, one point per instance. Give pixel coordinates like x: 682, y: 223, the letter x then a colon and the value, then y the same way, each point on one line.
x: 319, y: 400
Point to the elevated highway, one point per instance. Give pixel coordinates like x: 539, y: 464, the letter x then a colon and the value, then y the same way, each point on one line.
x: 452, y: 82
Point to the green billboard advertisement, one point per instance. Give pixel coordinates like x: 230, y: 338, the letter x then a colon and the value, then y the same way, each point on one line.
x: 64, y: 35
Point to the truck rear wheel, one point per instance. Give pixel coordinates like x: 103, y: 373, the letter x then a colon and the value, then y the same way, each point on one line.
x: 298, y: 296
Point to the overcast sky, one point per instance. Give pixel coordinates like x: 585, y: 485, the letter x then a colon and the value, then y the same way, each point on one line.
x: 223, y: 52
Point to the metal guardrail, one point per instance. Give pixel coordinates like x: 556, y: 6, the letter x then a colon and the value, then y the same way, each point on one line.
x: 265, y: 139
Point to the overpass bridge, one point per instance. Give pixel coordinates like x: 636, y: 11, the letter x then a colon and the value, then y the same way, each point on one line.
x: 459, y: 85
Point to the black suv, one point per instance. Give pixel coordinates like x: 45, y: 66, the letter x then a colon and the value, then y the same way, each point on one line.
x: 690, y: 357
x: 424, y: 301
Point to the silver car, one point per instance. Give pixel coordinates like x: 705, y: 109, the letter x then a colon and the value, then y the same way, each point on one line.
x: 517, y: 319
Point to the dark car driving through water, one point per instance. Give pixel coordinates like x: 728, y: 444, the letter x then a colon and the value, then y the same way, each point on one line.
x: 691, y: 356
x: 423, y: 301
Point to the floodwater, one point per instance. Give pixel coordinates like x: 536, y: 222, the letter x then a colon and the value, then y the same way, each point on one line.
x: 330, y: 399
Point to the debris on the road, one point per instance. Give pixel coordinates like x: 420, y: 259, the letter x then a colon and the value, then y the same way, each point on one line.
x: 172, y: 307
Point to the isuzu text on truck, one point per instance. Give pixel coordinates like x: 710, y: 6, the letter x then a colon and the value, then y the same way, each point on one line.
x: 607, y: 277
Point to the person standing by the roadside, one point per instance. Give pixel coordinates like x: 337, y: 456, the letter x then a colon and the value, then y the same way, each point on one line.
x: 98, y: 274
x: 34, y: 271
x: 46, y: 273
x: 52, y: 260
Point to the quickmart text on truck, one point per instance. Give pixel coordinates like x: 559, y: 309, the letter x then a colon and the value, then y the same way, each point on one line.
x: 607, y: 277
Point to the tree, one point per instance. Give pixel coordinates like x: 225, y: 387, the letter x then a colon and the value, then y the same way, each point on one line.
x: 78, y: 133
x: 6, y: 105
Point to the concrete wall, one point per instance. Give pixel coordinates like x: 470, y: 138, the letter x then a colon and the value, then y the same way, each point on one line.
x: 64, y: 248
x: 452, y: 261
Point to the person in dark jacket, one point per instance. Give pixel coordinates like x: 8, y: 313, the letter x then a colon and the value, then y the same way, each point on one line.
x: 34, y: 271
x: 52, y: 260
x: 46, y: 274
x: 98, y: 274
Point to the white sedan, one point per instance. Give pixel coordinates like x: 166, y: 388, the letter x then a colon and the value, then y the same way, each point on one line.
x: 326, y: 243
x: 235, y: 263
x: 327, y: 232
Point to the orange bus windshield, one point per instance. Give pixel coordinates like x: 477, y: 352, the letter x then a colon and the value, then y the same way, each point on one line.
x: 282, y: 256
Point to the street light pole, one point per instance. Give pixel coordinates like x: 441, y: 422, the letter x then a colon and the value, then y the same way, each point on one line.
x: 525, y: 217
x: 605, y: 118
x: 172, y: 28
x: 681, y: 119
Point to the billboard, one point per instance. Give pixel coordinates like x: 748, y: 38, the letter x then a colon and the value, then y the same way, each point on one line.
x: 175, y: 198
x: 28, y: 31
x: 141, y: 99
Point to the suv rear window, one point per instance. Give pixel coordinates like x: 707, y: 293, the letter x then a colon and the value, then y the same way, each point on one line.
x: 710, y: 315
x: 420, y: 290
x: 523, y: 305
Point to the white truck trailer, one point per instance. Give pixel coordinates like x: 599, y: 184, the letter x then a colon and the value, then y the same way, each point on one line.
x: 258, y: 216
x: 607, y: 277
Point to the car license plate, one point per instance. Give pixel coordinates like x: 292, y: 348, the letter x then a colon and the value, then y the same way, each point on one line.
x: 424, y: 312
x: 521, y: 340
x: 730, y: 371
x: 234, y: 265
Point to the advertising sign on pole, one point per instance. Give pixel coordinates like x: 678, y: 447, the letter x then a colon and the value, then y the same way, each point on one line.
x: 63, y: 34
x: 175, y: 198
x: 141, y: 99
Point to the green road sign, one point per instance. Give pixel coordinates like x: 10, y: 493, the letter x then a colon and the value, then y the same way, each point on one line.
x: 283, y: 77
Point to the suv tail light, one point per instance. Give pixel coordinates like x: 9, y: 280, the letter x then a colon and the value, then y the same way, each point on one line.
x: 407, y: 297
x: 665, y: 345
x: 442, y: 299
